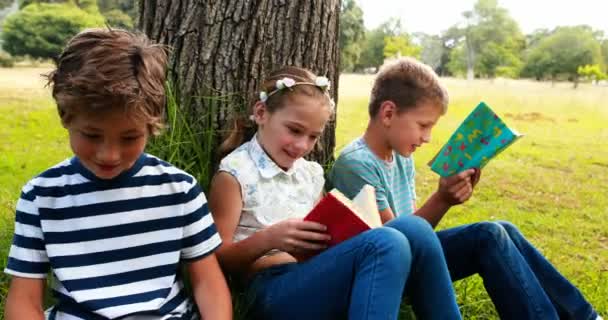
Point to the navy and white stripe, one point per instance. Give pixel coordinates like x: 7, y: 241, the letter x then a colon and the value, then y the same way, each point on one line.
x: 114, y: 246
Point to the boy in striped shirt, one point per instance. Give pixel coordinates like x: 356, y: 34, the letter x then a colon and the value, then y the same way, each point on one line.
x: 113, y: 224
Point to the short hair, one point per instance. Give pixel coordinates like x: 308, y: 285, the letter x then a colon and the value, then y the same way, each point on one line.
x: 104, y: 70
x: 407, y: 83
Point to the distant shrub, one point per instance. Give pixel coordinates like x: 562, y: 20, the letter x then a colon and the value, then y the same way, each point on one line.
x: 6, y: 60
x: 40, y: 30
x: 118, y: 19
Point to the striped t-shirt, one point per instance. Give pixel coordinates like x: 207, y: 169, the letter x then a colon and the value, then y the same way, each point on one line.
x: 114, y: 247
x: 357, y: 165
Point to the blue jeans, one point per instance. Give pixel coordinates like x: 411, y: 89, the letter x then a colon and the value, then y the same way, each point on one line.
x: 521, y: 282
x: 429, y: 286
x: 362, y: 278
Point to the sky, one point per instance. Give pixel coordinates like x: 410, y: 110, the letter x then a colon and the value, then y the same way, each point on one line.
x: 435, y: 16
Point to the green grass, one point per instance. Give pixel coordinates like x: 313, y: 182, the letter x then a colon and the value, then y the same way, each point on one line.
x: 552, y: 183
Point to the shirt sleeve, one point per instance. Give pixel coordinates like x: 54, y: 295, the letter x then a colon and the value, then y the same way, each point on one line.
x: 411, y: 180
x: 350, y: 175
x: 200, y: 236
x: 27, y: 256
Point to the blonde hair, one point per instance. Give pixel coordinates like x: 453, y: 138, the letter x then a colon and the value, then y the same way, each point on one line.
x: 244, y: 129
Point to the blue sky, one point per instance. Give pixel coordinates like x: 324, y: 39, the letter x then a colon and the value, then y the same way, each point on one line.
x: 434, y: 16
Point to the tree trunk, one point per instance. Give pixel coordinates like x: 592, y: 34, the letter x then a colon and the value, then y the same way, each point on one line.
x: 222, y: 50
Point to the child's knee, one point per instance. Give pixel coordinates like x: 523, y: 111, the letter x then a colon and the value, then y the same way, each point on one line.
x: 419, y: 232
x: 492, y: 233
x: 391, y: 243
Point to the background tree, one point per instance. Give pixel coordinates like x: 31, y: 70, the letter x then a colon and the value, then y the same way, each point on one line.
x: 431, y: 50
x: 352, y: 34
x: 560, y: 54
x: 40, y: 30
x: 400, y: 46
x: 222, y: 50
x: 492, y: 41
x: 372, y: 55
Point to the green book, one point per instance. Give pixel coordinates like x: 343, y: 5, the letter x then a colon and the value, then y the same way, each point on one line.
x: 480, y: 137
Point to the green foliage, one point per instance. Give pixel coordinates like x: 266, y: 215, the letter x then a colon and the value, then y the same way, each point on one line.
x: 592, y: 72
x: 605, y: 53
x: 182, y: 144
x: 431, y: 49
x: 41, y: 30
x: 492, y: 40
x: 5, y: 3
x: 400, y: 46
x: 372, y: 53
x: 118, y: 19
x: 6, y: 61
x: 457, y: 64
x: 352, y: 32
x: 128, y: 7
x: 561, y: 53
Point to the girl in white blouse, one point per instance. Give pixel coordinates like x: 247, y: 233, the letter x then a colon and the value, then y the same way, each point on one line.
x: 258, y: 199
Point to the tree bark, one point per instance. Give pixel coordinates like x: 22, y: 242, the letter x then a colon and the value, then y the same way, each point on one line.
x: 222, y: 50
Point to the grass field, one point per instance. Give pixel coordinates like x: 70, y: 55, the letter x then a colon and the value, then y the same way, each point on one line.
x: 552, y: 183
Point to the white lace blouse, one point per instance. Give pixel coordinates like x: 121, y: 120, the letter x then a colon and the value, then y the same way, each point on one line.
x: 269, y: 193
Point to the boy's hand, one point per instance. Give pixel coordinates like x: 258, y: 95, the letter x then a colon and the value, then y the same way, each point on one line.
x: 458, y: 188
x: 297, y: 235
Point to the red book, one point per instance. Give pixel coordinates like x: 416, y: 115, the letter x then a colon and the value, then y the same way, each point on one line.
x: 343, y: 217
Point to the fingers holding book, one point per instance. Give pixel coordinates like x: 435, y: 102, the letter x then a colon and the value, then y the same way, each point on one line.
x: 458, y: 188
x: 297, y: 235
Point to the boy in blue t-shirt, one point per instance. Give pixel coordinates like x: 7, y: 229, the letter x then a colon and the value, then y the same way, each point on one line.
x: 406, y: 102
x: 113, y: 224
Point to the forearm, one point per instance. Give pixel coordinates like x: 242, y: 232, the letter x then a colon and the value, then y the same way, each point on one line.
x: 213, y: 299
x: 433, y: 209
x: 386, y: 215
x: 239, y: 256
x: 18, y: 310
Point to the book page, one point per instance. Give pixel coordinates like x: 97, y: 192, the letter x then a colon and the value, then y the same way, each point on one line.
x: 365, y: 201
x: 363, y: 205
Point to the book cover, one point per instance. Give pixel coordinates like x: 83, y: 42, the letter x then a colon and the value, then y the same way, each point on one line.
x: 344, y: 218
x: 480, y: 137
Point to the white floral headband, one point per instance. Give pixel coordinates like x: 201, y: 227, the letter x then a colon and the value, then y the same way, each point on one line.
x: 321, y: 82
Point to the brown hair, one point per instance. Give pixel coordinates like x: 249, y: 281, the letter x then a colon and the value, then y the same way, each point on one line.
x: 108, y: 69
x: 407, y: 83
x: 244, y: 128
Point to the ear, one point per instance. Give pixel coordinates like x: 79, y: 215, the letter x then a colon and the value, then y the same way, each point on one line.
x: 260, y: 113
x: 386, y: 112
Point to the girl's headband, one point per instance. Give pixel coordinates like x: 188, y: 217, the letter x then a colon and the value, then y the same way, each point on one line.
x: 320, y: 82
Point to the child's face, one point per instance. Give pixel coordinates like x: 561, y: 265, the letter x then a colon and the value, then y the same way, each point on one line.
x: 107, y: 144
x: 291, y: 132
x: 408, y: 130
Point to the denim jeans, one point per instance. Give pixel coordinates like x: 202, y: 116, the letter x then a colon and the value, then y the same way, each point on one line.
x: 361, y: 278
x: 429, y: 286
x: 521, y: 282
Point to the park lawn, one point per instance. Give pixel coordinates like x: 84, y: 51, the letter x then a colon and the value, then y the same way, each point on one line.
x: 551, y: 183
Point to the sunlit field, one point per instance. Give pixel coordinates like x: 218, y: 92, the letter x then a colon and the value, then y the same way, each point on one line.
x: 552, y: 183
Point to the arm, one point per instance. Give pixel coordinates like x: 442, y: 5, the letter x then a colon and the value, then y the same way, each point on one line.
x: 452, y: 191
x: 226, y: 204
x: 289, y: 235
x: 209, y: 288
x: 386, y: 215
x: 24, y: 300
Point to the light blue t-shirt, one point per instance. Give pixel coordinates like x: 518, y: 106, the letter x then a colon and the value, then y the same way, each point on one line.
x: 357, y: 165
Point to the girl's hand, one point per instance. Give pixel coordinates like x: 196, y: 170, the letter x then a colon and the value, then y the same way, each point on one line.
x: 297, y: 235
x: 458, y: 188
